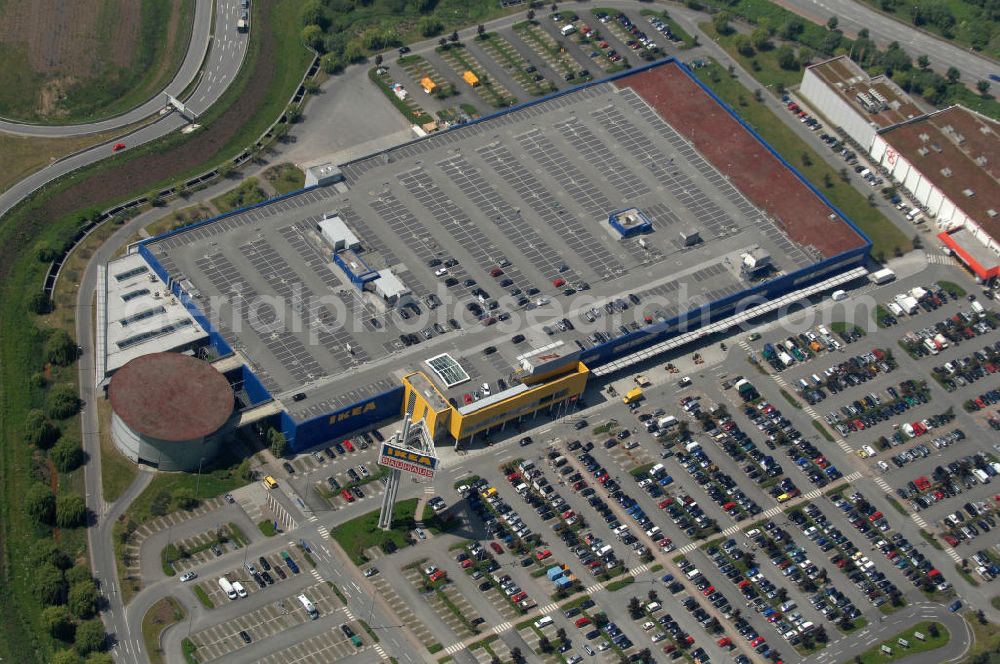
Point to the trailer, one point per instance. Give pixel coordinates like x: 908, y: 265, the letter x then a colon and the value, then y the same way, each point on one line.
x: 785, y: 359
x: 883, y: 276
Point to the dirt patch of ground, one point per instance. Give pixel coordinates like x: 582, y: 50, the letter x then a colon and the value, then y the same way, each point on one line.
x: 139, y: 174
x: 728, y: 146
x: 65, y: 37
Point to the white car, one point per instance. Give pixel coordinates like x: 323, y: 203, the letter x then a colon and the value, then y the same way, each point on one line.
x: 363, y: 470
x: 420, y: 533
x: 440, y: 272
x: 187, y: 576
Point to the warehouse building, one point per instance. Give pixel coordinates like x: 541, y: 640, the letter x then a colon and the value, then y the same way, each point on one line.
x: 509, y: 222
x: 947, y: 160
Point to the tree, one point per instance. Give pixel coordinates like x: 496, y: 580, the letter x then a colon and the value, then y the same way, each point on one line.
x: 183, y: 499
x: 827, y: 180
x: 78, y: 574
x: 40, y: 503
x: 67, y: 454
x: 761, y: 39
x: 443, y: 42
x: 39, y: 303
x: 430, y: 26
x: 953, y: 75
x: 293, y: 114
x: 331, y: 64
x: 923, y: 61
x: 58, y: 622
x: 744, y: 45
x: 480, y: 30
x: 90, y: 637
x: 844, y: 175
x: 721, y: 23
x: 531, y: 15
x: 806, y: 159
x: 635, y: 607
x: 49, y: 584
x: 82, y: 599
x: 821, y: 634
x: 46, y: 552
x: 561, y: 634
x: 71, y: 511
x: 983, y: 86
x: 312, y: 36
x: 933, y: 630
x: 62, y: 401
x: 786, y: 58
x: 40, y: 431
x: 244, y: 470
x: 314, y: 13
x: 515, y: 654
x: 453, y: 37
x: 832, y: 23
x: 67, y: 657
x: 792, y: 28
x: 99, y: 658
x: 378, y: 60
x: 653, y: 595
x: 277, y: 441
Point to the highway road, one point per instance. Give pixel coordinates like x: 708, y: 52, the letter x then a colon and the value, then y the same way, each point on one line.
x: 223, y: 61
x: 853, y: 16
x: 201, y: 38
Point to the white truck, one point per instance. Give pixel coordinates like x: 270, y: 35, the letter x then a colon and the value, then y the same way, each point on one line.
x: 883, y: 276
x: 567, y: 30
x: 978, y: 309
x: 227, y: 588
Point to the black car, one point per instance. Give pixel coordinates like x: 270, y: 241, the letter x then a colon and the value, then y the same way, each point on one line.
x: 526, y: 441
x: 358, y: 493
x: 288, y: 468
x: 264, y: 565
x: 334, y: 484
x: 267, y: 578
x: 403, y: 50
x: 485, y: 585
x: 339, y: 447
x: 280, y: 572
x: 348, y: 632
x: 329, y: 453
x: 246, y: 637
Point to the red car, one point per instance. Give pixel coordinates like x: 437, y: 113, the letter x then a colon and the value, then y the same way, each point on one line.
x: 543, y: 554
x: 756, y: 642
x: 347, y: 496
x: 349, y: 446
x: 118, y: 147
x: 467, y: 398
x: 437, y: 576
x: 558, y: 282
x: 496, y: 547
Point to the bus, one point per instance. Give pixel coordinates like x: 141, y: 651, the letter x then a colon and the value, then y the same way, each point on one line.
x: 227, y: 587
x: 309, y: 607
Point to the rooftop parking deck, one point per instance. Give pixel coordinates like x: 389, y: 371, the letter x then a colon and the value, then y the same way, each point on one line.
x: 505, y: 220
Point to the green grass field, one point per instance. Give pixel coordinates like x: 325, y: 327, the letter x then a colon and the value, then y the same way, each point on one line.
x: 161, y: 615
x: 285, y: 178
x: 109, y: 90
x: 362, y: 533
x: 884, y: 235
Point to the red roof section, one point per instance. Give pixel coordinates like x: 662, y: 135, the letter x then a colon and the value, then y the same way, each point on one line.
x: 170, y: 396
x: 982, y: 271
x: 748, y: 164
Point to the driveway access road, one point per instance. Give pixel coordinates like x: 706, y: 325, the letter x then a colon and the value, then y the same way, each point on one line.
x: 853, y: 16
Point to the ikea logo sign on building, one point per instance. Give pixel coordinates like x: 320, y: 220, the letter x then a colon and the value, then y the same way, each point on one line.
x: 352, y: 412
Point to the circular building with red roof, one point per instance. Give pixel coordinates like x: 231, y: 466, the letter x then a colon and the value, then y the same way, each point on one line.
x: 168, y: 409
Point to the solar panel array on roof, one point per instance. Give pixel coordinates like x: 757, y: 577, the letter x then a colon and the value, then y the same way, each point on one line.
x: 448, y: 370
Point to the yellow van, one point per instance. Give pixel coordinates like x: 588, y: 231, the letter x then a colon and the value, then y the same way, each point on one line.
x: 270, y: 482
x: 783, y: 497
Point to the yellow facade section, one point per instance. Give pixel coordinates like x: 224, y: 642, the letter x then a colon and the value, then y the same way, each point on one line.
x: 458, y: 426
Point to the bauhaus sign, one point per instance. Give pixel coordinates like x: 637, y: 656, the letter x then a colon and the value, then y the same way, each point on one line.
x: 410, y: 461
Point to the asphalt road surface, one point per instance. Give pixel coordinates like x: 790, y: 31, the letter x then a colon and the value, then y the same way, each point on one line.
x: 853, y: 16
x: 201, y: 37
x: 223, y: 61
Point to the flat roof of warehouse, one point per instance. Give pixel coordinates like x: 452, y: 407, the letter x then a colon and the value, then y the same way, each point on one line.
x: 958, y: 150
x: 847, y: 79
x: 533, y: 188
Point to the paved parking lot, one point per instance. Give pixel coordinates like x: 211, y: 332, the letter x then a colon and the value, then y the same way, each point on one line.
x: 218, y: 596
x: 263, y: 622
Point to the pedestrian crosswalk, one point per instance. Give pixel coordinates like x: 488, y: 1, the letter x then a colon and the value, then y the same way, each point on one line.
x: 640, y: 569
x: 919, y: 520
x: 454, y: 648
x: 503, y: 627
x: 882, y: 484
x: 953, y: 554
x: 687, y: 548
x: 548, y: 608
x: 317, y: 575
x: 941, y: 259
x: 322, y: 530
x: 380, y: 650
x: 594, y: 588
x: 313, y: 518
